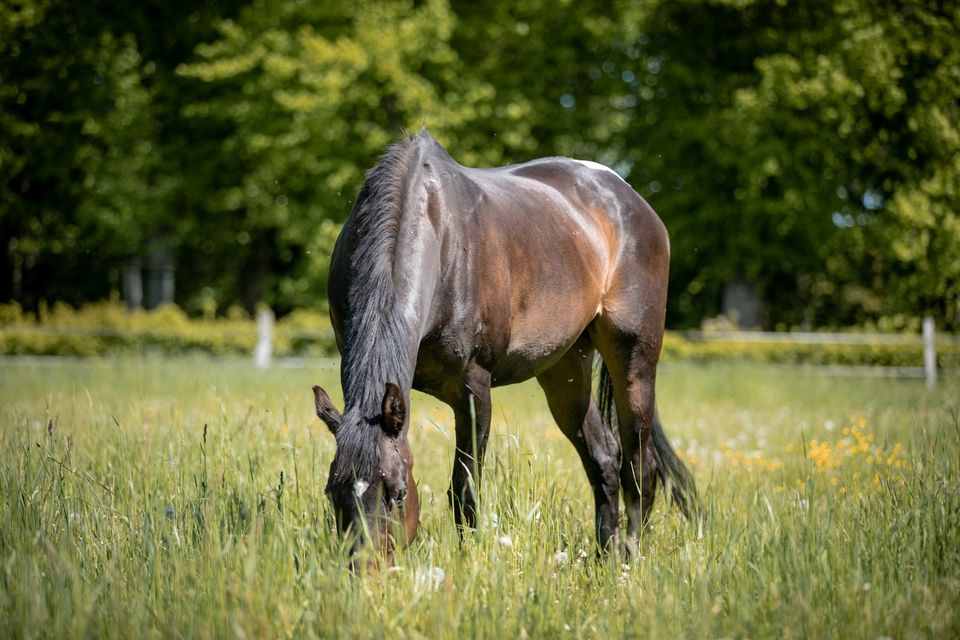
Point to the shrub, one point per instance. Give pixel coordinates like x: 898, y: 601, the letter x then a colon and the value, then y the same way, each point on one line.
x: 908, y: 353
x: 109, y: 328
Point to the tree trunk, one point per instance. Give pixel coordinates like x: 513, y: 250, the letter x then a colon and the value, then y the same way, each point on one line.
x: 741, y: 303
x: 160, y: 275
x: 133, y: 284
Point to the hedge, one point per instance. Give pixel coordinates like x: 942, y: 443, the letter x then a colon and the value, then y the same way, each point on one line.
x: 108, y: 328
x: 876, y: 354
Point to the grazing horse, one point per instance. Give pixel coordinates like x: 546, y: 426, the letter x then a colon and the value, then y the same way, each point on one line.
x: 452, y: 280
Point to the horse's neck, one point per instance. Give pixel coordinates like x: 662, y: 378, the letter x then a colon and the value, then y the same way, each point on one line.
x: 388, y: 324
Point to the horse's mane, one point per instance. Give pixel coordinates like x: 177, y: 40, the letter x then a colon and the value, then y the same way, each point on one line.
x: 377, y: 342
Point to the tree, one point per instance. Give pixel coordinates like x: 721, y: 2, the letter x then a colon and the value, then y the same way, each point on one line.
x: 310, y: 95
x: 556, y: 79
x: 61, y: 78
x: 806, y: 151
x: 810, y: 149
x: 313, y: 94
x: 867, y: 127
x: 89, y: 142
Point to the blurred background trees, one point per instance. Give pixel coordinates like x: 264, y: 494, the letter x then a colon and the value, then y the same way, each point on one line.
x: 804, y: 156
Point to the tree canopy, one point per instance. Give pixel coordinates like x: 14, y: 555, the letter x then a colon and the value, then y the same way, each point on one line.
x: 808, y: 151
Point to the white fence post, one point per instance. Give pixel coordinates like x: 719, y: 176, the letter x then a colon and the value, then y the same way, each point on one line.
x: 929, y: 353
x: 264, y: 349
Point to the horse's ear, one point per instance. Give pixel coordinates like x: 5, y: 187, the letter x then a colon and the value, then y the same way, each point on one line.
x: 394, y: 410
x: 325, y: 409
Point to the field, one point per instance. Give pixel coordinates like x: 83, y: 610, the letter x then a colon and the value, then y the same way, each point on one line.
x: 184, y: 498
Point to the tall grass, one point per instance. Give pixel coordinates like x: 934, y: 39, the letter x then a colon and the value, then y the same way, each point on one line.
x: 184, y: 498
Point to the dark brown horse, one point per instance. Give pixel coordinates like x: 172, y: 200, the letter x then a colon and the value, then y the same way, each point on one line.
x: 452, y: 280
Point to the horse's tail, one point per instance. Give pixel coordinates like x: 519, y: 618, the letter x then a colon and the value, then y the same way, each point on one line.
x: 673, y: 474
x: 676, y: 478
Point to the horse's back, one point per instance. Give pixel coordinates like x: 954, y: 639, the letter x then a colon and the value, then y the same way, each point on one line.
x: 586, y: 209
x: 545, y: 241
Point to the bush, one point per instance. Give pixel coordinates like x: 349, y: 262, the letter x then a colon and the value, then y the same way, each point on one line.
x: 109, y: 328
x: 908, y: 353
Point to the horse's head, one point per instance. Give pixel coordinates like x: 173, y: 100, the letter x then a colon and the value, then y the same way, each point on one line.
x: 371, y: 483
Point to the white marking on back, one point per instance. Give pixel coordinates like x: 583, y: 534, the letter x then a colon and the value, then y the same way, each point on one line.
x: 360, y: 488
x: 599, y: 167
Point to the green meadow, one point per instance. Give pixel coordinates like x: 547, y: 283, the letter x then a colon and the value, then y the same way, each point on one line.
x: 183, y: 497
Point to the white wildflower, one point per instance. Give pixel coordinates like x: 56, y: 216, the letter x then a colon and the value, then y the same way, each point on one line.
x: 428, y: 579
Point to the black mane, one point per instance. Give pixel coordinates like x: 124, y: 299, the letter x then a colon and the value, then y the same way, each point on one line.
x: 377, y: 347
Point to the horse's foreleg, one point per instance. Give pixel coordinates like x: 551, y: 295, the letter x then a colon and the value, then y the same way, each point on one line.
x: 472, y: 413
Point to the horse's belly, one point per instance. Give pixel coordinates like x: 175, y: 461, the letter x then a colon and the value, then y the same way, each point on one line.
x: 536, y: 344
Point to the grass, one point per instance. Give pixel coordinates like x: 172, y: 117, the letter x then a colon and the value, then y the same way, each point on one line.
x: 184, y: 498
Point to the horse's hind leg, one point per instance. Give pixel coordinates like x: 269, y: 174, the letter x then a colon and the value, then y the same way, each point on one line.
x: 632, y: 363
x: 472, y: 412
x: 567, y: 387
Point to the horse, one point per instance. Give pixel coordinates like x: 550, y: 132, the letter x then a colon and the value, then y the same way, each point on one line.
x: 452, y: 280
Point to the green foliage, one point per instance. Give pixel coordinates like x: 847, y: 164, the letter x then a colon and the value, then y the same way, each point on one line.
x: 866, y: 127
x: 152, y: 497
x: 125, y: 198
x: 809, y: 150
x: 71, y: 110
x: 92, y: 166
x: 311, y: 95
x: 550, y: 83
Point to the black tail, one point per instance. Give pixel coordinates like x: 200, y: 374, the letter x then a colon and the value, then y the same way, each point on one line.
x: 673, y: 474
